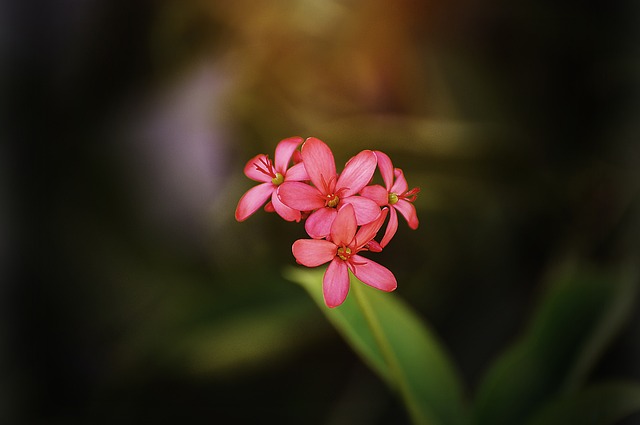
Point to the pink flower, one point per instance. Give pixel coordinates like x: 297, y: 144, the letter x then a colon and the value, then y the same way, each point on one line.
x: 261, y: 169
x: 342, y: 253
x: 330, y: 192
x: 395, y: 196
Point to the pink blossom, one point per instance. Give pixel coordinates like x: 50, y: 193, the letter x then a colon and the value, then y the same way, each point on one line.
x: 261, y: 169
x: 396, y: 196
x: 330, y: 192
x: 341, y: 252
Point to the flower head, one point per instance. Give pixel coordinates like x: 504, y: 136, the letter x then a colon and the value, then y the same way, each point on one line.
x: 395, y: 195
x: 342, y: 214
x: 341, y: 252
x: 272, y: 174
x: 330, y: 191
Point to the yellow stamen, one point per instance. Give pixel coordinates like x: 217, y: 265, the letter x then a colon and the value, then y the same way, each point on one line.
x: 393, y: 198
x: 344, y: 253
x: 332, y: 201
x: 278, y: 179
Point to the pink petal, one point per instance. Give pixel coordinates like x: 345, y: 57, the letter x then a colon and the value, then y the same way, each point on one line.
x: 313, y: 252
x: 386, y: 168
x: 297, y: 157
x: 392, y: 227
x: 400, y: 186
x: 284, y: 211
x: 269, y: 207
x: 373, y: 274
x: 319, y: 162
x: 253, y: 199
x: 376, y: 193
x: 297, y: 173
x: 408, y: 210
x: 357, y: 173
x: 344, y: 226
x: 335, y: 284
x: 366, y: 210
x: 318, y: 224
x: 253, y: 173
x: 284, y: 150
x: 300, y: 196
x: 374, y: 246
x: 369, y: 231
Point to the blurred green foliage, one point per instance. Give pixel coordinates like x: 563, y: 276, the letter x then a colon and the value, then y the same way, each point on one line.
x: 580, y: 314
x: 539, y: 379
x: 398, y: 346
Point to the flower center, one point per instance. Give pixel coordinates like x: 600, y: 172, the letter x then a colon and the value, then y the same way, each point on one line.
x: 332, y: 200
x: 393, y: 198
x: 278, y: 179
x: 265, y: 166
x: 344, y: 253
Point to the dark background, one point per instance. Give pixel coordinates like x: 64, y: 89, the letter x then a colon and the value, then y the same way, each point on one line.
x: 129, y: 293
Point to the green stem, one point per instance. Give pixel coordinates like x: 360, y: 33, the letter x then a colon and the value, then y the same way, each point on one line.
x: 397, y: 375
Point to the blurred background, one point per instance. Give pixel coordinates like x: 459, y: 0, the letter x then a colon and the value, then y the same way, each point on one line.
x: 129, y: 292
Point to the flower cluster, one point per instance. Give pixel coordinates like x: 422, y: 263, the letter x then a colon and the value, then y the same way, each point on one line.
x: 343, y: 212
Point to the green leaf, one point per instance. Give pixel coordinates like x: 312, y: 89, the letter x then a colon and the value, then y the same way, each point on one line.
x: 578, y: 317
x: 395, y: 343
x: 603, y: 404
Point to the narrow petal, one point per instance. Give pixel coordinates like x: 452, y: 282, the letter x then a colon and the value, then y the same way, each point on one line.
x: 253, y: 199
x: 300, y: 196
x: 269, y: 207
x: 376, y: 193
x: 369, y: 231
x: 335, y: 284
x: 392, y: 227
x: 253, y: 173
x: 344, y: 226
x: 319, y: 162
x: 386, y: 168
x: 297, y: 173
x: 408, y: 210
x: 357, y: 173
x: 284, y: 211
x: 373, y: 274
x: 318, y: 224
x: 374, y: 246
x: 366, y: 210
x: 400, y: 186
x: 284, y: 150
x: 313, y: 252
